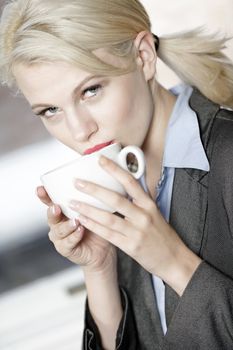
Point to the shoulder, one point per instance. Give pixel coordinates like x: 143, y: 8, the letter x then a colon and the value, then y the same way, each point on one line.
x: 221, y: 168
x: 216, y: 131
x: 225, y: 114
x: 221, y: 157
x: 223, y: 131
x: 215, y: 122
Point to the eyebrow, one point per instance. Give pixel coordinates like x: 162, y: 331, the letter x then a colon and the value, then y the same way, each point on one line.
x: 76, y: 89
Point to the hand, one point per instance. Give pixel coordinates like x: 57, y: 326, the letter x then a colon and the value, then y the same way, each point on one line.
x: 141, y: 231
x: 73, y: 241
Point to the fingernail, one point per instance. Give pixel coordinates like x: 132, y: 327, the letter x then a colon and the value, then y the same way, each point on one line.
x: 53, y: 210
x: 80, y: 184
x: 75, y: 204
x: 73, y: 223
x: 82, y: 220
x: 103, y: 160
x: 38, y: 191
x: 79, y: 229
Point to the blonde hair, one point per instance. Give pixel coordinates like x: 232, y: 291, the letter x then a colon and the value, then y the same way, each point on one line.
x: 37, y: 31
x: 199, y: 60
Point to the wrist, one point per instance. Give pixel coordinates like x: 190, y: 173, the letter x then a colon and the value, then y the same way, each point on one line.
x: 104, y: 267
x: 181, y: 267
x: 104, y: 299
x: 181, y: 263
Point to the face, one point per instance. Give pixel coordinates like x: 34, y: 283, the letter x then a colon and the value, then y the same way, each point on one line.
x: 82, y: 110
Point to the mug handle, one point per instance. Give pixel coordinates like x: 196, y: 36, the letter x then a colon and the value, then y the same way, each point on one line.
x: 139, y: 155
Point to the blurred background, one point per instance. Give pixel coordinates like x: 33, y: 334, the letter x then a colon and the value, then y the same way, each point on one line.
x: 42, y: 295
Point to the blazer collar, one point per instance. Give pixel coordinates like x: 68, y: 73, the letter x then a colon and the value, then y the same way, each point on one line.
x: 206, y: 112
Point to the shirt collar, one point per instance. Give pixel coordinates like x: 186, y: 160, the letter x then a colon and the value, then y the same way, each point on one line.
x: 183, y: 146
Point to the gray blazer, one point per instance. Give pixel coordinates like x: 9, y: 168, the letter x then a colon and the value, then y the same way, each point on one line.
x: 202, y: 214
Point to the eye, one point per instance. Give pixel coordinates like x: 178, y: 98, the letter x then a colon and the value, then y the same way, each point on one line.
x: 91, y: 91
x: 49, y: 112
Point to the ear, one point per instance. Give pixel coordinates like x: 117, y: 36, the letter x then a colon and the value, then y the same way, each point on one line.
x: 146, y: 54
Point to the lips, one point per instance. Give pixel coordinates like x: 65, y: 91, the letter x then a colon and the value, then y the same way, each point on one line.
x: 97, y: 147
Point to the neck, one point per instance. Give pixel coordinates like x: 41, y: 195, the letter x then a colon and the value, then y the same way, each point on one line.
x: 154, y: 144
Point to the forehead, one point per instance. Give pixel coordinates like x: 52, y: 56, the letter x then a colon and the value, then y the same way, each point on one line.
x: 45, y: 79
x: 26, y: 74
x: 46, y: 72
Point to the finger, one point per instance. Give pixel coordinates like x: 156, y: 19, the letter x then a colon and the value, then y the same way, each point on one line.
x: 69, y: 244
x: 54, y: 215
x: 63, y: 229
x: 102, y: 217
x: 118, y: 240
x: 130, y: 184
x: 43, y: 195
x: 112, y: 199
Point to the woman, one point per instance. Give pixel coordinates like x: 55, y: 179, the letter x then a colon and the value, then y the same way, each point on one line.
x: 160, y: 274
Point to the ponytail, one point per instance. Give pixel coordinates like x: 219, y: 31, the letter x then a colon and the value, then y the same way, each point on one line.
x: 198, y: 60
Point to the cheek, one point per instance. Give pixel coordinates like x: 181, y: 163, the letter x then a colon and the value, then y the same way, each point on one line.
x: 52, y: 131
x: 58, y: 131
x: 111, y: 112
x: 134, y: 110
x: 136, y: 118
x: 118, y: 108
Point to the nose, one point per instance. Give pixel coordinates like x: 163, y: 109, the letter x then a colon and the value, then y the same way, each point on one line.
x: 81, y: 126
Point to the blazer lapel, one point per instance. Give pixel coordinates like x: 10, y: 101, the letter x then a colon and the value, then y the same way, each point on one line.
x: 189, y: 196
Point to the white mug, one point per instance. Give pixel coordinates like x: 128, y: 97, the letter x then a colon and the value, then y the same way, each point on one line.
x: 59, y: 182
